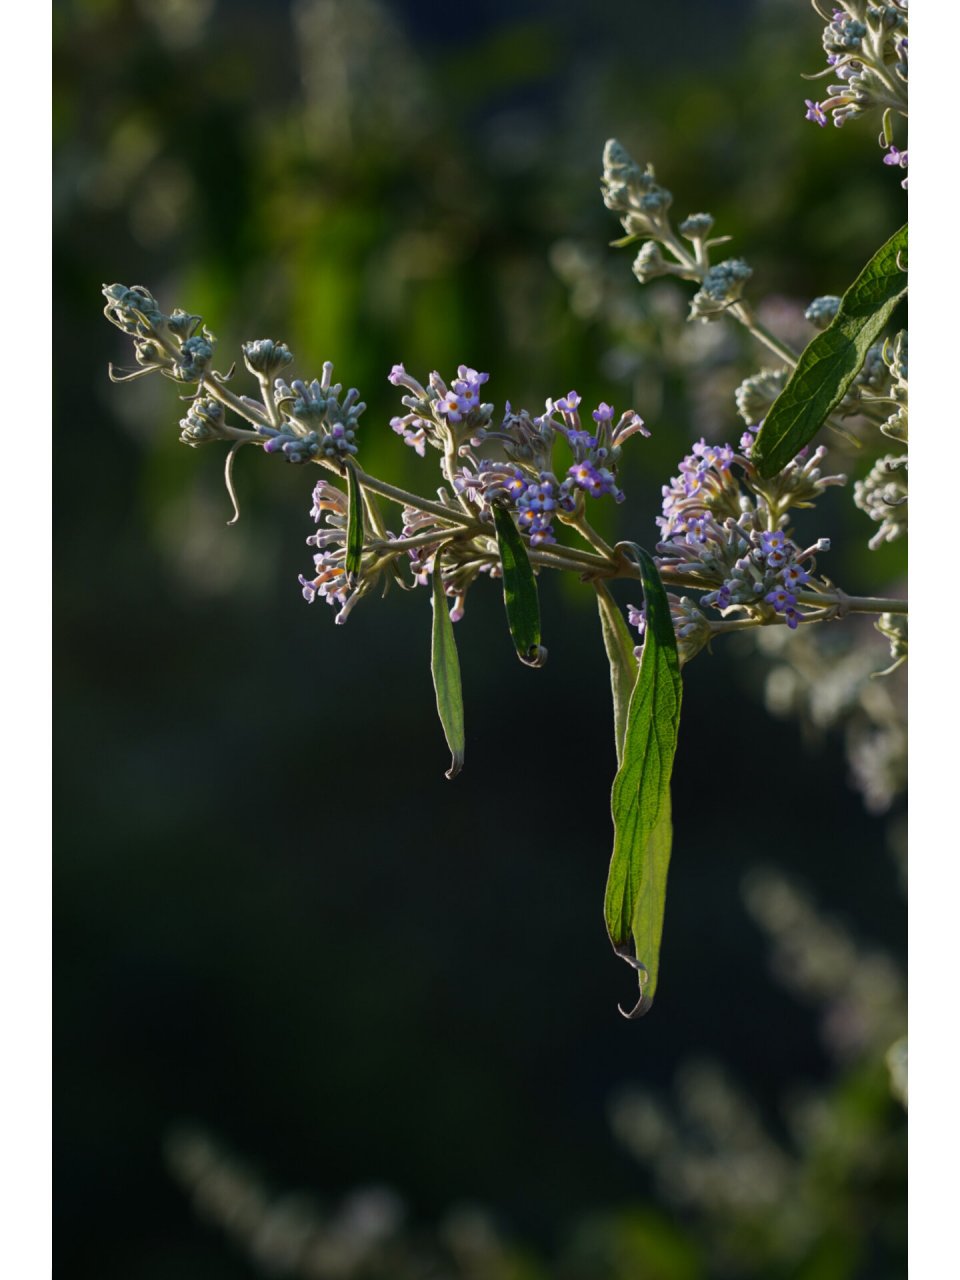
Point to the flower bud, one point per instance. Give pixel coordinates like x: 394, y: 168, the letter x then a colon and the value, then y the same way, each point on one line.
x: 265, y: 357
x: 650, y: 263
x: 696, y: 226
x: 721, y: 287
x: 757, y: 393
x: 822, y: 310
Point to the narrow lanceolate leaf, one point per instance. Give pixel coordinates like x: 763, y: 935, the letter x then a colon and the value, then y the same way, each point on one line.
x: 833, y: 359
x: 618, y: 643
x: 643, y: 833
x: 445, y: 666
x: 519, y: 591
x: 354, y: 547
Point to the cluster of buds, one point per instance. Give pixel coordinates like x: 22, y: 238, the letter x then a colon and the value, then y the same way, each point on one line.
x: 168, y: 344
x: 203, y: 423
x: 882, y: 494
x: 866, y: 50
x: 644, y: 208
x: 302, y: 422
x: 315, y: 422
x: 895, y: 358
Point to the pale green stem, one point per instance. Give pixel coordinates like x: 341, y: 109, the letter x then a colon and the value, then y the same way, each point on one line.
x: 273, y: 413
x: 590, y: 535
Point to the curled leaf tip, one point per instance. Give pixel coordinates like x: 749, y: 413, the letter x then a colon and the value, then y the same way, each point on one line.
x: 643, y: 1006
x: 456, y: 764
x: 645, y: 1003
x: 535, y: 657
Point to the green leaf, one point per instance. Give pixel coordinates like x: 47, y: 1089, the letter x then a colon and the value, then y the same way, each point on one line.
x: 833, y: 359
x: 445, y: 666
x: 640, y: 801
x: 618, y: 643
x: 519, y: 591
x: 354, y: 548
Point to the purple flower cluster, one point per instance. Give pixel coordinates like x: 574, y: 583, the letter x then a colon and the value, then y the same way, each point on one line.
x: 596, y: 449
x: 770, y: 569
x: 753, y: 565
x: 537, y: 493
x: 534, y: 496
x: 705, y: 485
x: 716, y: 529
x: 437, y: 409
x: 464, y: 394
x: 330, y: 579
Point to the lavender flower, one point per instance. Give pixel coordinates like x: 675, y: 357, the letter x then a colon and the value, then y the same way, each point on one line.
x: 896, y: 157
x: 439, y: 415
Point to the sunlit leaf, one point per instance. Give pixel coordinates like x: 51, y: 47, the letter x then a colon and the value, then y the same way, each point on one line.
x: 445, y: 665
x: 833, y: 359
x: 519, y: 591
x: 640, y: 801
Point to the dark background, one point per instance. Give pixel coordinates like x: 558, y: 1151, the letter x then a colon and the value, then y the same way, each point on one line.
x: 275, y: 919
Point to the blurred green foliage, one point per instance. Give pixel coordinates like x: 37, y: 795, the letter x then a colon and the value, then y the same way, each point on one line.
x: 275, y: 920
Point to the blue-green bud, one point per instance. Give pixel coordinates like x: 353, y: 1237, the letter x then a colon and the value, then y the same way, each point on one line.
x: 132, y: 310
x: 822, y: 310
x: 720, y: 288
x: 265, y: 357
x: 182, y: 324
x: 202, y: 423
x: 696, y: 226
x: 195, y: 355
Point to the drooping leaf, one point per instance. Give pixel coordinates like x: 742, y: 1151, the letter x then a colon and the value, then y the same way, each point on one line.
x: 519, y: 591
x: 618, y: 643
x: 833, y: 359
x: 445, y: 665
x: 354, y: 547
x: 640, y: 801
